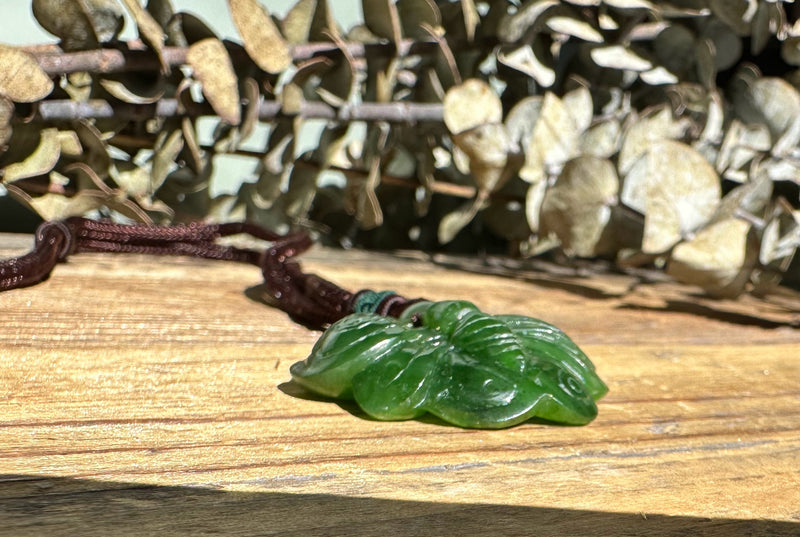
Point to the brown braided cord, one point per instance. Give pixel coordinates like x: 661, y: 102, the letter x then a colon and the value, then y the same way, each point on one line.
x: 307, y: 298
x: 53, y: 244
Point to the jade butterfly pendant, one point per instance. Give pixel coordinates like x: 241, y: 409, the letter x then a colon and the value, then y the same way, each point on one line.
x: 451, y: 360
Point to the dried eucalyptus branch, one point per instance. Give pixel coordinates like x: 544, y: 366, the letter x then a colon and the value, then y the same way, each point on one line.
x: 396, y: 112
x: 131, y: 57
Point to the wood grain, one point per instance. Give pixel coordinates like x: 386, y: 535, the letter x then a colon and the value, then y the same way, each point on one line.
x: 144, y: 394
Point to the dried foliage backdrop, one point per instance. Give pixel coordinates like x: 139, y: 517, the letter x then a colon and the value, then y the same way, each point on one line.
x: 645, y: 132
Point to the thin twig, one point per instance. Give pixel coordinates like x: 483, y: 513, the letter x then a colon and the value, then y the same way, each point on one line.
x: 55, y: 62
x: 437, y: 187
x: 394, y: 112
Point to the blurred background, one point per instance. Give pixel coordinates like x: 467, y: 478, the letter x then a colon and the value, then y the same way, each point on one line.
x: 20, y: 28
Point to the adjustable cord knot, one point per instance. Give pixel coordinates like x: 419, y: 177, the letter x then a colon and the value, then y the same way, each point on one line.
x: 57, y: 235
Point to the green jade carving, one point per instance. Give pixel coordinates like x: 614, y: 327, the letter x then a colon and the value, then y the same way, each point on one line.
x: 450, y: 359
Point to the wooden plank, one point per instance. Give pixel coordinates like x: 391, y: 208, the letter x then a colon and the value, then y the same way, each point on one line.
x: 145, y: 394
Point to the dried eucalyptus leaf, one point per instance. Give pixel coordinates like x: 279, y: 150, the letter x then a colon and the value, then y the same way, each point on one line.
x: 332, y: 144
x: 574, y: 27
x: 738, y: 15
x: 95, y: 149
x: 506, y: 219
x: 718, y: 258
x: 534, y: 198
x: 675, y: 188
x: 194, y: 28
x: 658, y: 76
x: 170, y: 21
x: 57, y: 206
x: 251, y: 99
x: 517, y: 24
x: 212, y: 67
x: 21, y: 78
x: 750, y: 198
x: 260, y: 36
x: 715, y: 120
x: 166, y: 152
x: 460, y: 160
x: 452, y: 223
x: 415, y: 15
x: 790, y: 50
x: 382, y: 19
x: 487, y: 144
x: 767, y: 100
x: 300, y: 194
x: 764, y: 21
x: 554, y: 140
x: 524, y: 59
x: 296, y: 26
x: 40, y: 162
x: 80, y: 24
x: 339, y: 84
x: 602, y: 140
x: 521, y: 119
x: 6, y: 114
x: 781, y: 169
x: 471, y: 18
x: 577, y: 207
x: 70, y: 143
x: 619, y: 57
x: 741, y: 144
x: 607, y: 22
x: 766, y: 278
x: 134, y: 180
x: 779, y: 243
x: 674, y: 48
x: 643, y: 132
x: 706, y: 72
x: 309, y: 21
x: 292, y: 99
x: 786, y: 145
x: 631, y: 4
x: 580, y: 107
x: 134, y: 88
x: 471, y: 104
x: 487, y: 147
x: 149, y: 30
x: 78, y: 86
x: 162, y: 11
x: 727, y: 45
x: 368, y: 208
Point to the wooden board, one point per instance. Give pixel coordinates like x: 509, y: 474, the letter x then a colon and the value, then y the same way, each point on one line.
x: 145, y: 395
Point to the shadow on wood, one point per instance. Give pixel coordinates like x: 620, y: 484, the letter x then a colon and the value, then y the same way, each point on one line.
x: 33, y: 505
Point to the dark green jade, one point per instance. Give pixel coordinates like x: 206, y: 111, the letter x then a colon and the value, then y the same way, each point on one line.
x: 450, y: 359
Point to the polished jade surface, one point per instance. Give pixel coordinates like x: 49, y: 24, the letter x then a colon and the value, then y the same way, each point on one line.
x: 449, y: 359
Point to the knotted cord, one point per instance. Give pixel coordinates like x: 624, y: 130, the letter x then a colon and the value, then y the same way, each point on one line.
x: 307, y: 298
